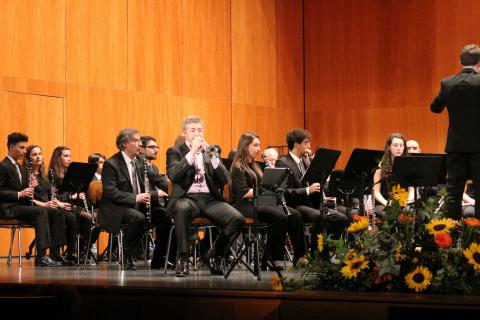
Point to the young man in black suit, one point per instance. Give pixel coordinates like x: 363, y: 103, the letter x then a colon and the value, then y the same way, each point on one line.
x: 461, y: 95
x: 198, y: 181
x: 124, y: 198
x: 15, y: 198
x: 161, y: 221
x: 302, y: 197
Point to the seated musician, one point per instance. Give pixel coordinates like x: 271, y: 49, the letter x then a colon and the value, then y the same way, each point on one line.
x: 382, y: 183
x: 45, y: 197
x: 198, y: 181
x: 124, y: 200
x: 270, y: 156
x: 15, y: 200
x: 302, y: 197
x: 99, y: 159
x: 160, y: 220
x: 245, y: 175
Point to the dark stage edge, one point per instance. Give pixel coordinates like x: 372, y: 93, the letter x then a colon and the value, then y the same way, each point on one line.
x: 109, y: 293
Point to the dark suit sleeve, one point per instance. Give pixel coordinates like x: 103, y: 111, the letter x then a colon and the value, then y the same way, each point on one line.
x: 221, y: 174
x: 111, y: 190
x: 240, y: 185
x: 438, y: 104
x: 177, y: 166
x: 6, y: 195
x: 157, y: 179
x: 294, y: 193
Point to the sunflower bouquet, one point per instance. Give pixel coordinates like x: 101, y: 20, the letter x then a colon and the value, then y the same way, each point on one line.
x: 412, y: 250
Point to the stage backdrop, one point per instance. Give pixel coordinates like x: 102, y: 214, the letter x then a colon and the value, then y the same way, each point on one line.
x: 76, y: 72
x: 350, y: 71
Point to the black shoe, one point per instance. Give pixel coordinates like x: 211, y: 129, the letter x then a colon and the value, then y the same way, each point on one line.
x: 267, y: 265
x: 217, y: 265
x: 45, y: 261
x: 182, y: 268
x: 128, y: 264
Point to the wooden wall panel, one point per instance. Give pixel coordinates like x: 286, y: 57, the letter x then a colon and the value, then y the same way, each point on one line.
x: 206, y: 49
x: 155, y: 46
x: 32, y: 42
x: 96, y: 43
x: 372, y: 68
x: 41, y: 118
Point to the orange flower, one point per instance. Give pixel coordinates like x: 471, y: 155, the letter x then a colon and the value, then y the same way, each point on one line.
x: 405, y: 218
x: 356, y: 217
x: 472, y: 222
x: 444, y: 240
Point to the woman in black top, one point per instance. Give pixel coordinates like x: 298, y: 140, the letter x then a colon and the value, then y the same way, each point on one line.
x: 43, y: 198
x: 245, y: 175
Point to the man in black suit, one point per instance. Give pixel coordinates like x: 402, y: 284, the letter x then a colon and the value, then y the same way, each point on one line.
x: 124, y: 194
x: 161, y: 221
x: 461, y: 95
x: 305, y: 198
x: 198, y: 181
x: 15, y: 198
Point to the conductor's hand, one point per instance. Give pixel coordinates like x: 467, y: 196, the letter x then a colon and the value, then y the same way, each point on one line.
x: 314, y: 188
x: 26, y: 193
x: 143, y: 198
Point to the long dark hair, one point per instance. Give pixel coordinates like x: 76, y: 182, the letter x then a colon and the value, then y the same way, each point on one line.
x: 242, y: 159
x: 41, y: 170
x: 386, y: 163
x: 56, y: 162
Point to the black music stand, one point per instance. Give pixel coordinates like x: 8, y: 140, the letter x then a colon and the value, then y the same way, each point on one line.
x: 418, y: 171
x: 272, y: 177
x: 359, y: 171
x: 78, y: 177
x: 319, y: 170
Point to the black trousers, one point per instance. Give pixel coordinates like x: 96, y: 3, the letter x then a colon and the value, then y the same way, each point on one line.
x: 135, y: 221
x: 277, y: 222
x: 223, y: 215
x: 296, y: 232
x: 333, y: 223
x: 57, y: 232
x: 39, y: 218
x: 461, y: 166
x: 162, y: 222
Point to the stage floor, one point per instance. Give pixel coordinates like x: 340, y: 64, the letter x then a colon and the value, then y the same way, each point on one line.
x: 105, y: 275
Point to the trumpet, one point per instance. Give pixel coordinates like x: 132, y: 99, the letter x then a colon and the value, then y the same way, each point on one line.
x: 213, y: 151
x: 146, y: 182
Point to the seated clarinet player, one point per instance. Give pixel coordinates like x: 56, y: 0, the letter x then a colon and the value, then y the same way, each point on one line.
x: 198, y: 181
x: 59, y: 163
x: 45, y: 197
x: 160, y: 220
x: 302, y: 197
x: 124, y: 200
x: 16, y: 194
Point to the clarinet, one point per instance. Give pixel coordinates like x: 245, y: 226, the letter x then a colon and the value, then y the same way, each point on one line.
x: 30, y: 177
x: 53, y: 189
x: 146, y: 182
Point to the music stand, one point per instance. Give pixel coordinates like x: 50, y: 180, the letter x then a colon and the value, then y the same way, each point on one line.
x: 418, y: 171
x: 319, y: 170
x: 272, y: 177
x: 78, y: 177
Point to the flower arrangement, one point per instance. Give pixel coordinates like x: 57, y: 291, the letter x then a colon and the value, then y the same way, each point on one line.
x: 411, y: 251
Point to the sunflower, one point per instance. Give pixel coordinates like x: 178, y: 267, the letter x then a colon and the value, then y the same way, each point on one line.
x: 444, y: 240
x: 440, y: 226
x: 399, y: 194
x: 472, y: 253
x: 277, y: 283
x: 398, y: 253
x: 349, y: 255
x: 362, y: 223
x: 320, y: 242
x: 354, y: 266
x: 419, y: 279
x: 472, y: 222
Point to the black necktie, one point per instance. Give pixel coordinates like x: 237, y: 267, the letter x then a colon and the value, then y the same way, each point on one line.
x: 134, y: 177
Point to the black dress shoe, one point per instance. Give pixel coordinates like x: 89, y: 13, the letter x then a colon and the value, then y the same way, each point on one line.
x: 128, y: 264
x: 267, y: 265
x: 46, y: 261
x: 182, y: 268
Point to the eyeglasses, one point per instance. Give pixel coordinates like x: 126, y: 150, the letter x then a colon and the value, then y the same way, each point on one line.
x: 151, y: 147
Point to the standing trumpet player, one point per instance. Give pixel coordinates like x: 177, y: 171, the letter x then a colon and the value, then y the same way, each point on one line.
x: 198, y: 182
